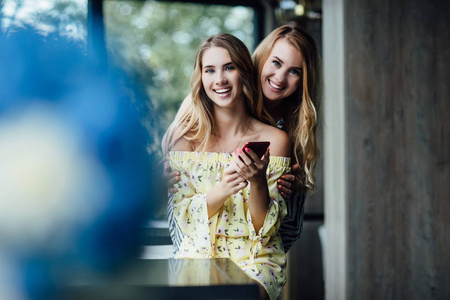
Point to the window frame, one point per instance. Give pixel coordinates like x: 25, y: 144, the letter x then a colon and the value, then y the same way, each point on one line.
x: 96, y: 43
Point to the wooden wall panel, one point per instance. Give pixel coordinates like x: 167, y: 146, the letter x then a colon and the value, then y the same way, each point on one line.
x: 397, y: 138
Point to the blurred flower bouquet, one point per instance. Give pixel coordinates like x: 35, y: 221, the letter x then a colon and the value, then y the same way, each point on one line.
x: 75, y: 177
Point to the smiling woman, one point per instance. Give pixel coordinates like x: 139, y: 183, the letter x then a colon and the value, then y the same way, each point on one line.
x: 221, y: 79
x: 280, y: 78
x: 227, y: 204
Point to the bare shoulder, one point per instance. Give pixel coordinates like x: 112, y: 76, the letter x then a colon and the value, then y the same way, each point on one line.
x: 279, y: 140
x: 181, y: 143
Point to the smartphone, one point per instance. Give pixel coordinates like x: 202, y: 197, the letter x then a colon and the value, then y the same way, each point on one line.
x: 258, y: 147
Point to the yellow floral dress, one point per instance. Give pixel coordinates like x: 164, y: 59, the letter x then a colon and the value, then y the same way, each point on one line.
x: 230, y: 232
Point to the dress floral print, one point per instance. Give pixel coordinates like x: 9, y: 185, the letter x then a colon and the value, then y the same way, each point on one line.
x: 230, y: 232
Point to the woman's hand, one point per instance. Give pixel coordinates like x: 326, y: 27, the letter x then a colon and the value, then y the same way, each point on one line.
x: 171, y: 178
x: 250, y: 166
x: 287, y: 183
x: 253, y: 169
x: 232, y: 182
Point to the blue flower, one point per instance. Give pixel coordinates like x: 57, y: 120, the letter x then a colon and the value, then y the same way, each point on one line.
x: 88, y: 176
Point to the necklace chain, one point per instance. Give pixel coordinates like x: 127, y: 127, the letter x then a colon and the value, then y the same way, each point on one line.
x: 217, y: 141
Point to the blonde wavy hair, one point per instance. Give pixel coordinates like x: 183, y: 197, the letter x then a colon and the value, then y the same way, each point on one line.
x: 301, y: 123
x: 196, y: 122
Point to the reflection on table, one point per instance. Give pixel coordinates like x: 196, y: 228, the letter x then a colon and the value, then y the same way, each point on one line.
x: 217, y: 278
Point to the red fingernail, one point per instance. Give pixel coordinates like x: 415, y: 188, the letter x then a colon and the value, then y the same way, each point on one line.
x: 279, y: 180
x: 268, y: 149
x: 246, y: 149
x: 239, y: 150
x: 279, y: 186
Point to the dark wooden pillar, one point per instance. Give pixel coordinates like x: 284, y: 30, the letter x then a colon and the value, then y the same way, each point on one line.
x: 396, y: 104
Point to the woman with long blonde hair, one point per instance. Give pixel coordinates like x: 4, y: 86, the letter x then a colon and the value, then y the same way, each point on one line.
x: 227, y: 202
x: 288, y: 79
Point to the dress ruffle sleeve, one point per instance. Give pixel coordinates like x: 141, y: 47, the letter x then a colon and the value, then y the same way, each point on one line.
x: 190, y: 208
x: 277, y: 208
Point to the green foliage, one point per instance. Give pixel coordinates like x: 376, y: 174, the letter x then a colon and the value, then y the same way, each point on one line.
x: 68, y: 17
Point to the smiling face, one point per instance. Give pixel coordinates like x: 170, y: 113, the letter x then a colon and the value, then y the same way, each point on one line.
x: 220, y: 77
x: 282, y: 72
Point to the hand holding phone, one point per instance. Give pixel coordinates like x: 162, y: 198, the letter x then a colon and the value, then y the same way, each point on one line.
x: 258, y: 147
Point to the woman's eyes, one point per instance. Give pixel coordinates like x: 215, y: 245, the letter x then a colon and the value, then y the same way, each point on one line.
x: 227, y: 68
x: 295, y: 72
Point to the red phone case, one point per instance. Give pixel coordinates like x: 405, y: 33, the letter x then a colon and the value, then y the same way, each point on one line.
x: 258, y: 147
